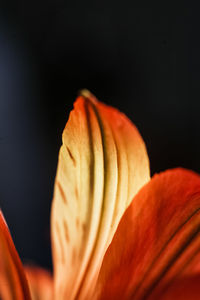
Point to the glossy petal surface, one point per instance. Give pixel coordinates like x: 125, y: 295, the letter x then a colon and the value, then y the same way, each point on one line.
x: 157, y: 243
x: 40, y: 283
x: 102, y: 164
x: 13, y: 283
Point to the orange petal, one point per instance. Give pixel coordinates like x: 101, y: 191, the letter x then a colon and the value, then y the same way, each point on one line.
x: 102, y: 164
x: 157, y: 240
x: 40, y: 283
x: 185, y: 288
x: 13, y: 283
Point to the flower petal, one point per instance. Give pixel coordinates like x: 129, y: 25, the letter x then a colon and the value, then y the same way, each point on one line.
x: 12, y: 277
x: 186, y: 288
x: 40, y: 283
x: 157, y: 240
x: 102, y: 164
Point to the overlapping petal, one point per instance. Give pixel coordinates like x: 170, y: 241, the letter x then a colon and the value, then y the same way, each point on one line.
x: 155, y: 252
x: 102, y: 165
x: 13, y: 282
x: 156, y: 249
x: 40, y: 283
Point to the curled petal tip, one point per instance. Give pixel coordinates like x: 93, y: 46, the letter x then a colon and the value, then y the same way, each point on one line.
x: 102, y: 164
x: 86, y: 94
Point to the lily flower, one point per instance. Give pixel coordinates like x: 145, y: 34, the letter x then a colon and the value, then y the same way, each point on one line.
x: 116, y: 233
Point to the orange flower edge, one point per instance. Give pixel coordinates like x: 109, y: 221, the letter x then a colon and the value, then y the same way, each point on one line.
x: 155, y: 251
x: 157, y: 242
x: 13, y: 282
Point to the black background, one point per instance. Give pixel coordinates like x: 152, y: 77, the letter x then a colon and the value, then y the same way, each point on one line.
x: 141, y: 57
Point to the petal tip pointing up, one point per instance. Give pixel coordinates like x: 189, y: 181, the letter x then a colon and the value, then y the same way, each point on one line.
x: 102, y: 164
x: 87, y: 95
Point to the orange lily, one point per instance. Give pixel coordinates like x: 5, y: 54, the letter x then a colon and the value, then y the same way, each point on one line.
x: 116, y: 233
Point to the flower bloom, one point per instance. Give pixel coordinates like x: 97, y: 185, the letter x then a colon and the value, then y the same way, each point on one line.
x: 116, y: 233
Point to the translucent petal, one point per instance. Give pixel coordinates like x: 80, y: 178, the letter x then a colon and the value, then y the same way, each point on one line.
x: 102, y: 164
